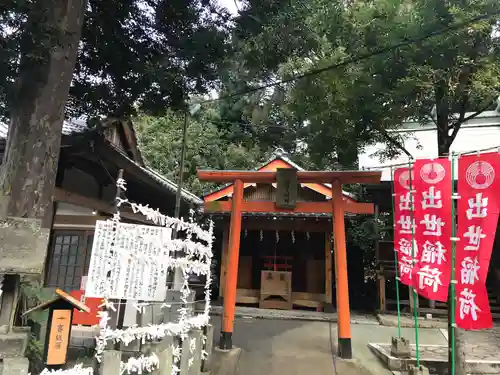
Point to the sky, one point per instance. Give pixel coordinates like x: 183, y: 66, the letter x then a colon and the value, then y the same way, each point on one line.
x: 230, y: 5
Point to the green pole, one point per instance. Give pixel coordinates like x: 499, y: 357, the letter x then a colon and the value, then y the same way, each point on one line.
x: 453, y: 251
x: 396, y: 254
x: 415, y: 295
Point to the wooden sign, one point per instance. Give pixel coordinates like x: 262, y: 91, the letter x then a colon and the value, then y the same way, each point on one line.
x: 287, y: 188
x: 86, y: 318
x: 144, y: 281
x: 60, y: 327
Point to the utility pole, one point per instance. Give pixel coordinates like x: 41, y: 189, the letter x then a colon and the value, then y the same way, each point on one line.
x: 180, y: 181
x: 190, y: 111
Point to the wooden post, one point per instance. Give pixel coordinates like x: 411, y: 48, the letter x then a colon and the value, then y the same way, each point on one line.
x: 223, y: 263
x: 226, y: 340
x: 328, y: 273
x: 343, y: 312
x: 413, y: 301
x: 119, y: 315
x: 381, y: 291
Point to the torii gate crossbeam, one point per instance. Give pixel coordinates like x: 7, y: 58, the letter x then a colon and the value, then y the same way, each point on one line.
x: 337, y: 206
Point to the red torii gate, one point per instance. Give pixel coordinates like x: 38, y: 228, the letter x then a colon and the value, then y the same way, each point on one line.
x: 338, y: 207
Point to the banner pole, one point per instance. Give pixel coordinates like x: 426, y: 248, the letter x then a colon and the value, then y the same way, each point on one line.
x: 393, y: 195
x: 415, y: 295
x: 451, y: 342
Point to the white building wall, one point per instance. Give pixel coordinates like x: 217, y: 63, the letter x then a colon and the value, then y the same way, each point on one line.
x: 481, y: 133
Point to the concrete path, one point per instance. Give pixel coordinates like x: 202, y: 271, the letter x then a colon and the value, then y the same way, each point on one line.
x: 278, y: 347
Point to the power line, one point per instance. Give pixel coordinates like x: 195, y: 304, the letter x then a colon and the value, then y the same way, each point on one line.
x: 251, y: 126
x: 358, y: 58
x: 402, y: 164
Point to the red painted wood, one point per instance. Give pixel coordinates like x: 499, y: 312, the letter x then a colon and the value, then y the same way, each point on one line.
x: 83, y: 318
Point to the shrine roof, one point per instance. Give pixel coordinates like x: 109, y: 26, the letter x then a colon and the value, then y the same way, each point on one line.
x: 278, y: 160
x: 76, y: 126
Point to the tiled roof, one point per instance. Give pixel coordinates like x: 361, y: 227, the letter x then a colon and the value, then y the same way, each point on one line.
x: 80, y: 125
x: 69, y: 127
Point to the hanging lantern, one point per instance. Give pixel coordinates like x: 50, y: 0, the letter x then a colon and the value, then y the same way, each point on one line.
x: 293, y: 236
x: 261, y: 235
x: 308, y: 236
x: 277, y: 237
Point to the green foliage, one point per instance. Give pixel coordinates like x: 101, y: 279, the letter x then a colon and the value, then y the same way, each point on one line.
x: 160, y: 140
x: 340, y: 111
x: 33, y: 294
x: 133, y: 54
x: 34, y: 353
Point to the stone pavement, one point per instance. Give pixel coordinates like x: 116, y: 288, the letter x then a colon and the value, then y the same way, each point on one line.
x: 297, y: 342
x: 481, y: 345
x: 253, y: 312
x: 293, y: 347
x: 475, y: 352
x: 279, y: 345
x: 407, y: 321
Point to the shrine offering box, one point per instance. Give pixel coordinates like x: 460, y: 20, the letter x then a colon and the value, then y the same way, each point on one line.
x: 276, y: 290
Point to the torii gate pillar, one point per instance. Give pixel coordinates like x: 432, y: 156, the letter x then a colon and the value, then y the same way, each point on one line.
x: 226, y: 338
x: 341, y: 279
x: 337, y: 207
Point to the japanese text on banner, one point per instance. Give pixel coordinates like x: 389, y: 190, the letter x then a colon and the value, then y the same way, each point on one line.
x: 433, y: 207
x: 477, y: 223
x: 404, y: 244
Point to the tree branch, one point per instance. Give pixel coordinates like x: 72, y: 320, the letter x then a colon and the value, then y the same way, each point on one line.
x: 457, y: 124
x: 389, y: 139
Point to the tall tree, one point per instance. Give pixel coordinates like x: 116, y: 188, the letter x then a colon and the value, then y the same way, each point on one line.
x: 48, y: 44
x: 447, y: 79
x: 114, y: 57
x: 160, y: 139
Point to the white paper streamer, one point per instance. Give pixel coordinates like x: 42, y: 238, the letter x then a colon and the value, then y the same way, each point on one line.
x: 77, y: 370
x: 196, y: 259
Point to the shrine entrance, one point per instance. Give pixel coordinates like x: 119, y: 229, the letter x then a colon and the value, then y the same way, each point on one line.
x: 276, y: 269
x: 296, y: 249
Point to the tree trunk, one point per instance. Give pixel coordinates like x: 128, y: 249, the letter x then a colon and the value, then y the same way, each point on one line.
x: 48, y: 56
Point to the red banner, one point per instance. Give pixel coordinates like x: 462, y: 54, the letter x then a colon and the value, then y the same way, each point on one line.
x: 433, y: 206
x: 403, y: 215
x: 478, y: 207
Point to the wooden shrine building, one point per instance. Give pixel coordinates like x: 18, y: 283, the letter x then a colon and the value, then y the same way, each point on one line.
x: 277, y: 246
x: 85, y: 191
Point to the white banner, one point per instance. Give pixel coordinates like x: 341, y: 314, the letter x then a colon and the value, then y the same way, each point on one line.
x: 135, y: 268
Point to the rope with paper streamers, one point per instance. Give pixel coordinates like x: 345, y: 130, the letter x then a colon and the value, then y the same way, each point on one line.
x: 196, y: 259
x: 188, y: 264
x: 77, y: 370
